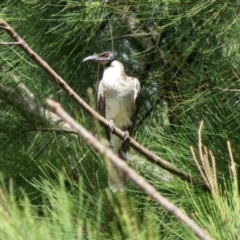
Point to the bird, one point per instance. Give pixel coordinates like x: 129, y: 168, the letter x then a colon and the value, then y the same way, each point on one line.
x: 118, y: 101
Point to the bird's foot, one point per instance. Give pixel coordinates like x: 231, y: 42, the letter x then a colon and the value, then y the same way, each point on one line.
x: 126, y: 136
x: 111, y: 127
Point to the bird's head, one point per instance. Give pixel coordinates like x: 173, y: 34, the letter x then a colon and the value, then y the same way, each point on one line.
x: 104, y: 58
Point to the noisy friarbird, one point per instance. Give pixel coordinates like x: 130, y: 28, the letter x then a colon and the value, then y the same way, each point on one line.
x: 117, y: 101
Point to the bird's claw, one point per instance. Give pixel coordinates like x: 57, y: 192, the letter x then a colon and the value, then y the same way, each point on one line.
x: 126, y: 136
x: 111, y: 127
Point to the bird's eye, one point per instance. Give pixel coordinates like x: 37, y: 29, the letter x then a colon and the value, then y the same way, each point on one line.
x: 105, y: 55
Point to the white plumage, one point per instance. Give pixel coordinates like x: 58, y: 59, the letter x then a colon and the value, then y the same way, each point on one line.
x: 117, y: 101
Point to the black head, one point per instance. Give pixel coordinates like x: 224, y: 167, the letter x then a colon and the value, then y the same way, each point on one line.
x: 104, y: 58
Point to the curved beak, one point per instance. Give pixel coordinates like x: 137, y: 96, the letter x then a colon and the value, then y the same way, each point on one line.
x: 91, y: 58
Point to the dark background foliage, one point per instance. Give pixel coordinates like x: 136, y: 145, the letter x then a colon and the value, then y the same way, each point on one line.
x: 186, y: 55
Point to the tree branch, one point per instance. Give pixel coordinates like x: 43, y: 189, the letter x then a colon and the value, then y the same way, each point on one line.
x: 134, y: 176
x: 25, y: 102
x: 9, y: 43
x: 135, y: 145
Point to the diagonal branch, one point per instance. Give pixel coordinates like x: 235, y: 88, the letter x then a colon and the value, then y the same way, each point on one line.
x: 133, y: 175
x: 25, y: 102
x: 135, y: 145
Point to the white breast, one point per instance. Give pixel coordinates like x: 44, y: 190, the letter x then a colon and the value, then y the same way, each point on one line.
x: 119, y: 94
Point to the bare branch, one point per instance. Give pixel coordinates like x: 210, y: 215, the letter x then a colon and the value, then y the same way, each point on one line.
x: 133, y: 175
x: 139, y: 148
x: 26, y: 102
x: 207, y: 168
x: 10, y: 43
x: 233, y: 164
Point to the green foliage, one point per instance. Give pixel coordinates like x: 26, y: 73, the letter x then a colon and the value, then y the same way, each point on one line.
x: 186, y: 55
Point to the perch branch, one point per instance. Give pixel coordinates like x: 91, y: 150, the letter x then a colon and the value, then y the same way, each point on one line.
x: 139, y: 148
x: 132, y: 174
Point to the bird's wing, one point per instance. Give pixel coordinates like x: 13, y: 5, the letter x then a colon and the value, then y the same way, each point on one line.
x: 101, y: 107
x: 137, y: 89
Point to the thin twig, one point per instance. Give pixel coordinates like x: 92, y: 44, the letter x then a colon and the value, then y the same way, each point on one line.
x: 199, y: 168
x: 133, y: 175
x: 25, y: 102
x: 207, y: 170
x: 139, y: 148
x: 10, y: 43
x: 57, y: 129
x: 200, y: 139
x: 226, y: 89
x: 233, y: 165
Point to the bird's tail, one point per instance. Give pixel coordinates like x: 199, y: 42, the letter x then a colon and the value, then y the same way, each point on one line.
x: 117, y: 179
